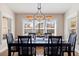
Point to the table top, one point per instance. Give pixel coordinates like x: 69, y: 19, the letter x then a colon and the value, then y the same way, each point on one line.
x: 42, y: 41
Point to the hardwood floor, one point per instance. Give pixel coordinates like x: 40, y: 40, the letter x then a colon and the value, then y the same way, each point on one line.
x: 39, y: 52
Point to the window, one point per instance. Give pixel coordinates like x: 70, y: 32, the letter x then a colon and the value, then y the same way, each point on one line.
x: 73, y: 24
x: 39, y: 27
x: 42, y: 26
x: 51, y: 26
x: 4, y: 27
x: 27, y: 26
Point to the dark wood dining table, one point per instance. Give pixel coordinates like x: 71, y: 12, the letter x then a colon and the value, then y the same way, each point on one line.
x: 39, y: 42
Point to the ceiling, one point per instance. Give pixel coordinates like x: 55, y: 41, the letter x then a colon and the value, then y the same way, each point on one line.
x: 45, y: 7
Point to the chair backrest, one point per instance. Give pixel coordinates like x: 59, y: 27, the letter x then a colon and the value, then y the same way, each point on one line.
x: 10, y: 38
x: 24, y: 39
x: 72, y: 39
x: 56, y: 47
x: 55, y: 39
x: 33, y: 35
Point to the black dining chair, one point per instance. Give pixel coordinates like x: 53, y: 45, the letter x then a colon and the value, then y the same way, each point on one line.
x: 56, y: 50
x: 47, y: 35
x: 11, y: 40
x: 72, y: 41
x: 33, y: 35
x: 54, y: 46
x: 24, y: 48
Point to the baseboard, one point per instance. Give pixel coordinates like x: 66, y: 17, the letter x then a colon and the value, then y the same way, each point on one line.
x: 3, y: 46
x: 77, y: 50
x: 3, y: 49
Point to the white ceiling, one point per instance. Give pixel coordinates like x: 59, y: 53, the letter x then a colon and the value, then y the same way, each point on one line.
x: 46, y: 7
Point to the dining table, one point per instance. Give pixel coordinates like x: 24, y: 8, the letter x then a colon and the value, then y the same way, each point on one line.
x: 40, y: 41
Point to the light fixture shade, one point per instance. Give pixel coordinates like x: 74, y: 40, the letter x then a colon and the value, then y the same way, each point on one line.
x: 39, y: 17
x: 29, y: 17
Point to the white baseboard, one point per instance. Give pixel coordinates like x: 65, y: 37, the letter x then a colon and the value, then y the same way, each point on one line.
x: 77, y: 50
x: 3, y: 46
x: 3, y: 49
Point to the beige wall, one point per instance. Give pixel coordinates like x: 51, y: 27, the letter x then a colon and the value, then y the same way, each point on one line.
x: 69, y: 14
x: 60, y: 24
x: 20, y: 17
x: 18, y: 25
x: 5, y: 12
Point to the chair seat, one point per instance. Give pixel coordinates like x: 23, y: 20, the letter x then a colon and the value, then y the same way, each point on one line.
x: 65, y: 49
x: 14, y: 48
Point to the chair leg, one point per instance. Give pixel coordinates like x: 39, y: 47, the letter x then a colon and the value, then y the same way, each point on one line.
x: 34, y: 51
x: 73, y: 53
x: 62, y: 53
x: 9, y: 53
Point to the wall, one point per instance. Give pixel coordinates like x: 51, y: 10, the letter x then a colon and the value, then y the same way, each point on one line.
x: 18, y: 23
x: 20, y: 17
x: 73, y: 12
x: 67, y: 16
x: 5, y: 11
x: 0, y: 27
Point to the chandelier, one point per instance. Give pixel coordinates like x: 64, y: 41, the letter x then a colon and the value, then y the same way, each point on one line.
x: 39, y: 15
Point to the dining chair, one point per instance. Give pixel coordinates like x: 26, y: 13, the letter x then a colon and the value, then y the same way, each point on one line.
x: 56, y: 50
x: 72, y: 41
x: 54, y: 46
x: 10, y: 40
x: 47, y: 35
x: 33, y: 35
x: 28, y: 50
x: 24, y: 48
